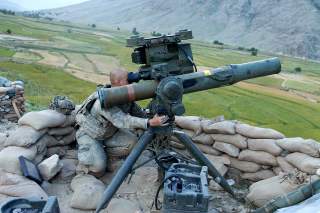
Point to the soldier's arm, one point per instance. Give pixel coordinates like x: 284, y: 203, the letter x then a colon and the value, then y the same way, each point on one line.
x: 124, y: 120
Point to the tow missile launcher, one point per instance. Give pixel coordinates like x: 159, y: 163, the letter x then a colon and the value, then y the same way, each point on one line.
x: 169, y: 72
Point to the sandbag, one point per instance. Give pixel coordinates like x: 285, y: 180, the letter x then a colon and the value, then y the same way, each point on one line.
x: 257, y: 132
x: 43, y: 119
x: 121, y: 143
x: 23, y: 136
x: 177, y: 145
x: 265, y: 190
x: 190, y: 133
x: 91, y: 154
x: 70, y: 120
x: 87, y: 192
x: 68, y: 170
x: 189, y: 122
x: 59, y: 150
x: 304, y: 162
x: 258, y: 157
x: 266, y: 145
x: 9, y: 161
x: 48, y: 140
x: 277, y: 170
x: 203, y: 139
x: 68, y: 139
x: 227, y: 148
x: 208, y: 149
x: 257, y: 176
x: 244, y: 166
x: 219, y: 163
x: 224, y: 159
x: 13, y: 185
x: 309, y: 147
x: 223, y: 127
x: 61, y: 131
x: 284, y: 165
x: 236, y: 140
x: 3, y: 139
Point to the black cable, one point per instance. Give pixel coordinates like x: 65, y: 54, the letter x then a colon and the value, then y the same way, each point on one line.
x: 159, y: 188
x: 189, y: 58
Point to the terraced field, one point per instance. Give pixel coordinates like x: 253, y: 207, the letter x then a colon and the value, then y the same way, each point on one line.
x: 56, y: 58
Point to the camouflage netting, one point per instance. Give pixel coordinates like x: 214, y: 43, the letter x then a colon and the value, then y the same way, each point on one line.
x: 254, y: 154
x: 11, y: 100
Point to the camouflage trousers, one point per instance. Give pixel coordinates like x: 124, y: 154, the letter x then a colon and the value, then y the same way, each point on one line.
x: 96, y: 156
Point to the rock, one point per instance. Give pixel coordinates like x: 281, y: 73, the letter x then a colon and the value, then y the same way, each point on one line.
x: 43, y: 119
x: 50, y: 167
x: 244, y: 166
x: 236, y: 140
x: 23, y: 136
x: 304, y: 162
x: 266, y: 145
x: 223, y: 127
x: 257, y: 176
x: 309, y: 147
x: 9, y: 158
x: 13, y: 185
x: 227, y: 148
x: 257, y: 132
x: 87, y: 192
x: 258, y: 157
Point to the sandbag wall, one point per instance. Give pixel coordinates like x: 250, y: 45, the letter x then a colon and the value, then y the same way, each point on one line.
x: 259, y: 153
x: 12, y: 102
x: 40, y: 135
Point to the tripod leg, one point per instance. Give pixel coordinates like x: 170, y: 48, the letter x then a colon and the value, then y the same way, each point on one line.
x: 198, y: 155
x: 125, y: 169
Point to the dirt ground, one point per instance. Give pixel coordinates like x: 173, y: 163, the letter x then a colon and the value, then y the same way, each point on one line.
x: 140, y: 192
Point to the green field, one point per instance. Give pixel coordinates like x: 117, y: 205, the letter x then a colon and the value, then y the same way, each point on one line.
x: 266, y: 104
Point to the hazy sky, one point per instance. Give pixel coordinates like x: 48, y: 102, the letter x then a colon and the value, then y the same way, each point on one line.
x: 44, y: 4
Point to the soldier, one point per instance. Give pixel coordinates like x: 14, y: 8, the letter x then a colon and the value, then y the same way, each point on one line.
x: 97, y: 124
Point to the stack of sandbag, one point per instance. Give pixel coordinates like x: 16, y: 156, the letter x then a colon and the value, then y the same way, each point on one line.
x: 11, y: 100
x: 59, y: 128
x: 259, y: 153
x: 264, y: 191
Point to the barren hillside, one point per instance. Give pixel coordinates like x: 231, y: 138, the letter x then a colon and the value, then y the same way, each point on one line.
x: 286, y: 26
x: 4, y: 4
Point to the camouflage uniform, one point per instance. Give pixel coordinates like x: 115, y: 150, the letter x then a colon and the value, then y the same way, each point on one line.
x: 96, y: 125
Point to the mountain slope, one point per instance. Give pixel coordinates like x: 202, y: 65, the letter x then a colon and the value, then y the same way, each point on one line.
x: 286, y: 26
x: 4, y: 4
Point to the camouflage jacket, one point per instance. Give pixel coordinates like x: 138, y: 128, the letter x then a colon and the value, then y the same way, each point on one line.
x: 101, y: 123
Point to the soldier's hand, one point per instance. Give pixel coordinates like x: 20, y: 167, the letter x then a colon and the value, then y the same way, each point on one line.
x: 158, y: 121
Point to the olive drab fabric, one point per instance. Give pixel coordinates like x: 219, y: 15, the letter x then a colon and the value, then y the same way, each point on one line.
x: 96, y: 125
